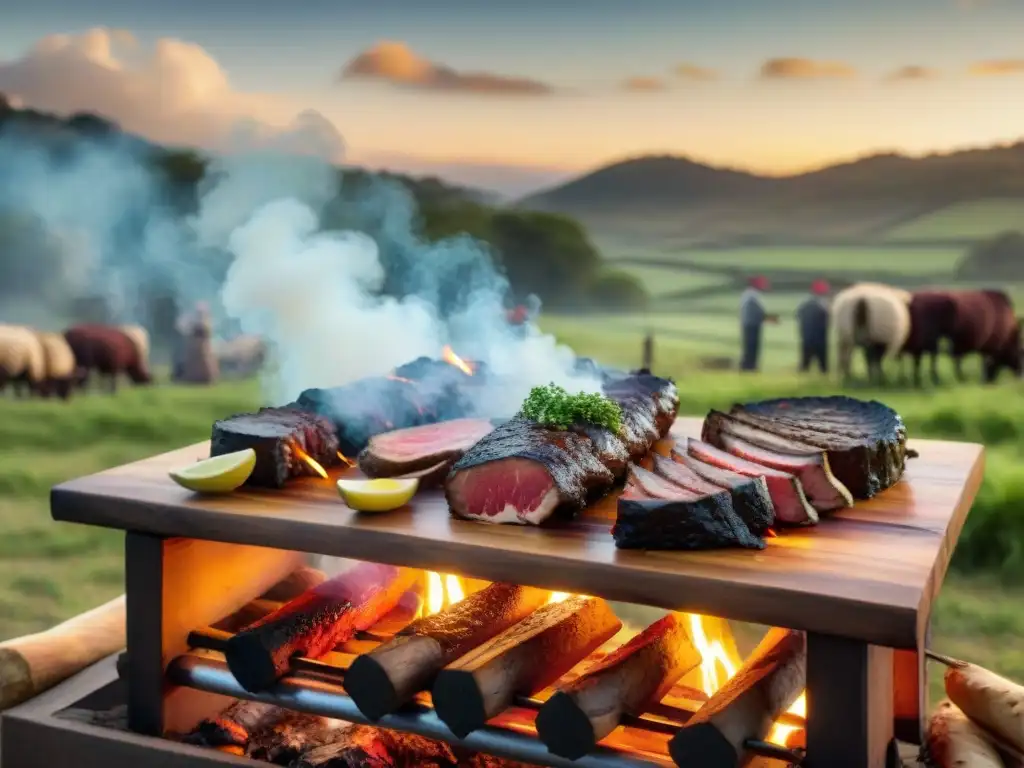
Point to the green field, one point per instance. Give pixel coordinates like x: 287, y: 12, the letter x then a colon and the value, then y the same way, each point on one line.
x: 823, y: 259
x: 659, y: 281
x: 976, y: 219
x: 49, y: 571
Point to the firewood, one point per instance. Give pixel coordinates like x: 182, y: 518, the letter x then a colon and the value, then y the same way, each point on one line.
x: 522, y: 660
x: 747, y: 706
x: 313, y: 623
x: 284, y: 741
x: 368, y: 747
x: 297, y: 582
x: 235, y: 725
x: 995, y: 703
x: 627, y: 681
x: 381, y: 681
x: 953, y: 741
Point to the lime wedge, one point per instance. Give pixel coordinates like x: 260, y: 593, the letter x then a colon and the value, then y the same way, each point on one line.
x: 218, y: 474
x: 379, y: 495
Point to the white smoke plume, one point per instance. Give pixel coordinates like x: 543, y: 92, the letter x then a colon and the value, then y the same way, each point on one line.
x: 266, y: 250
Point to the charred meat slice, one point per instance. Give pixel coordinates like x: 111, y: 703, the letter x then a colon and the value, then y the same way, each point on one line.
x: 786, y: 492
x: 405, y: 451
x: 662, y: 392
x: 639, y: 429
x: 275, y: 434
x: 671, y: 517
x: 866, y: 441
x: 522, y: 472
x: 750, y: 497
x: 609, y: 447
x: 808, y: 463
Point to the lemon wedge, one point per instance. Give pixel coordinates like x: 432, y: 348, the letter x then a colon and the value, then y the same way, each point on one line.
x: 218, y: 474
x: 379, y: 495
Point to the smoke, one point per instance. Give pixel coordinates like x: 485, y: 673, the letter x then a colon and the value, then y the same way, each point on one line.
x: 338, y: 282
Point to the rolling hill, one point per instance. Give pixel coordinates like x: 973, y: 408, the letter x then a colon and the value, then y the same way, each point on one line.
x: 694, y: 204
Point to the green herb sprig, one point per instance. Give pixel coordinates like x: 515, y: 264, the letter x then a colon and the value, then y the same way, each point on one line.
x: 553, y: 406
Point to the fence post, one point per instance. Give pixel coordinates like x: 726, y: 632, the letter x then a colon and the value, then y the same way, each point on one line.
x: 647, y: 355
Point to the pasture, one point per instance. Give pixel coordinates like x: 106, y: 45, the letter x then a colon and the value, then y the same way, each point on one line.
x: 49, y: 571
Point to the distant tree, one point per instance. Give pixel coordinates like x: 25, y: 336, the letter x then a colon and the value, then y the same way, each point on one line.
x: 1000, y: 257
x: 617, y: 291
x: 181, y: 167
x: 90, y: 124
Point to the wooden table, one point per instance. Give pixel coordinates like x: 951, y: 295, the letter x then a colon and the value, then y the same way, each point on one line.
x: 865, y: 578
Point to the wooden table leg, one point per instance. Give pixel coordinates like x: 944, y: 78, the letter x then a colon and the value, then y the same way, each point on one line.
x: 172, y: 587
x: 144, y: 577
x: 849, y: 703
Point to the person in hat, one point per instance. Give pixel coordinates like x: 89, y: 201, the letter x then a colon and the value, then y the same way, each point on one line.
x: 813, y: 317
x: 753, y: 316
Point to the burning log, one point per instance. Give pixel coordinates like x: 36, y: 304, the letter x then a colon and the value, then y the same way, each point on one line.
x: 235, y: 725
x: 297, y: 582
x: 286, y: 740
x: 313, y: 623
x: 522, y: 660
x: 627, y: 681
x: 954, y: 741
x: 381, y: 681
x: 284, y: 439
x: 367, y: 747
x: 747, y: 706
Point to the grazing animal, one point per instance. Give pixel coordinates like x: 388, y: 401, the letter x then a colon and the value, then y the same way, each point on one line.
x: 873, y: 317
x: 22, y: 362
x: 932, y: 319
x: 61, y: 368
x: 986, y: 324
x: 139, y: 337
x: 109, y: 352
x: 241, y: 356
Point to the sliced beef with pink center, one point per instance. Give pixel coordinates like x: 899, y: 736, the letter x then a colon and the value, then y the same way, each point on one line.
x: 788, y: 498
x: 750, y: 495
x: 406, y: 451
x: 809, y: 464
x: 522, y: 472
x: 749, y: 498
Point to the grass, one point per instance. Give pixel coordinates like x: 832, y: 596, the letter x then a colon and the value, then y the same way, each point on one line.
x: 49, y: 571
x: 818, y: 259
x: 659, y: 281
x: 976, y: 219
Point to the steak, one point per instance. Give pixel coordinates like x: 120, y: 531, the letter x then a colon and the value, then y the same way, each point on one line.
x: 749, y: 495
x: 639, y: 429
x: 609, y: 447
x: 808, y: 463
x: 522, y: 472
x: 274, y: 433
x: 677, y: 519
x: 787, y: 494
x: 662, y: 392
x: 865, y: 441
x: 406, y: 451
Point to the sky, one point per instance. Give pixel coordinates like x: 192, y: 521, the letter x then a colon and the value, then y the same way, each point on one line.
x: 516, y: 94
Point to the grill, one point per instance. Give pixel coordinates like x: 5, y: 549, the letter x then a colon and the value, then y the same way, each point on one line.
x: 860, y: 585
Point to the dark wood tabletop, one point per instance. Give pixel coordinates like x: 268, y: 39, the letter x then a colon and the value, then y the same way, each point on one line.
x: 869, y: 572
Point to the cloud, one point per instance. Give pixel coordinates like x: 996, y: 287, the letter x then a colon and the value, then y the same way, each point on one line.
x: 996, y: 67
x: 912, y: 72
x: 396, y: 63
x: 174, y: 92
x: 643, y: 84
x: 693, y: 72
x: 795, y: 68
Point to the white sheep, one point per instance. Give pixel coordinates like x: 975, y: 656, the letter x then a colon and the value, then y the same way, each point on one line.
x: 874, y: 317
x: 60, y: 365
x: 22, y: 361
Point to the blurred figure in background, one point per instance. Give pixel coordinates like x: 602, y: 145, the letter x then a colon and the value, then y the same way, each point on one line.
x: 813, y: 319
x: 195, y: 362
x: 753, y: 316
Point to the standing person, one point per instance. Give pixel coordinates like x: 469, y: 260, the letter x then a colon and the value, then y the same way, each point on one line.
x: 813, y: 318
x: 752, y: 317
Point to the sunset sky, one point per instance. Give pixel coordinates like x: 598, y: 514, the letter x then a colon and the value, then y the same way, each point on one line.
x: 512, y: 94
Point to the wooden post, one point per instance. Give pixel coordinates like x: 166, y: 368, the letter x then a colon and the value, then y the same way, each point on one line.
x: 173, y: 586
x: 849, y: 703
x: 647, y: 355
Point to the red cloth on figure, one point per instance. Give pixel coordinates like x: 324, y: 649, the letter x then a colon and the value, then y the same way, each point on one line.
x: 820, y: 287
x: 760, y: 283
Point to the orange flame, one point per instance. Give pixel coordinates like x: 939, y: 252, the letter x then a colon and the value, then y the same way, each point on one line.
x: 442, y: 591
x: 346, y: 460
x: 558, y: 597
x: 719, y: 663
x: 310, y: 461
x: 404, y: 380
x: 449, y: 356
